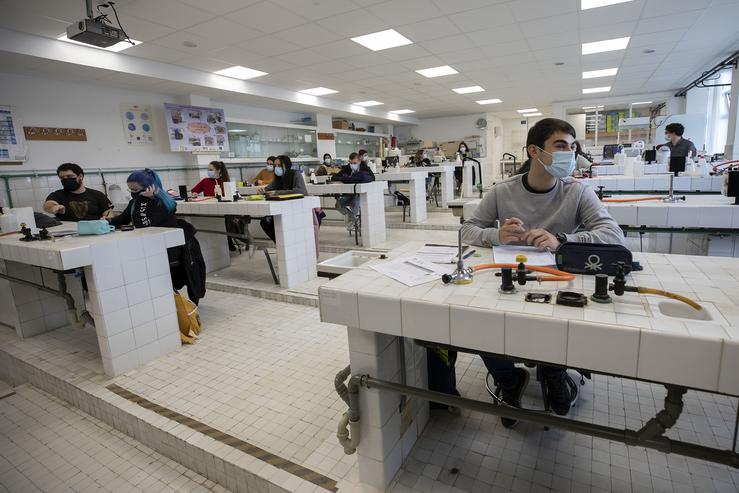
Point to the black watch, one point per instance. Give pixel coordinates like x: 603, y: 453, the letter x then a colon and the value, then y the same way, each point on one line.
x: 561, y: 237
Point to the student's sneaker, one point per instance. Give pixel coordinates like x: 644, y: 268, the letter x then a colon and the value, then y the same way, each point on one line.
x: 558, y: 393
x: 513, y: 397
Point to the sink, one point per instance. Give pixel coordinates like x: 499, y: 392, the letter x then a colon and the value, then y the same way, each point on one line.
x: 346, y: 261
x: 677, y: 309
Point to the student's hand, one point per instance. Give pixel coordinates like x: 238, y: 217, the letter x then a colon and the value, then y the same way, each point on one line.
x: 511, y: 231
x: 149, y: 192
x: 260, y: 190
x: 108, y: 214
x: 60, y: 209
x: 541, y: 238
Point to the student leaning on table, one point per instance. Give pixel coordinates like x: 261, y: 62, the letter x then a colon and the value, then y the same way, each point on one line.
x: 75, y: 202
x: 287, y: 180
x: 544, y: 208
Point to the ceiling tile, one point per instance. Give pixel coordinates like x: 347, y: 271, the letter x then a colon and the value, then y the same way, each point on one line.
x: 610, y: 31
x: 354, y: 23
x: 318, y: 9
x: 224, y: 31
x: 498, y: 34
x: 265, y: 14
x: 566, y: 38
x: 483, y: 18
x: 453, y: 6
x: 169, y: 13
x: 269, y: 45
x: 303, y: 57
x: 418, y: 32
x: 220, y: 7
x: 407, y: 11
x: 176, y: 40
x: 524, y: 10
x: 42, y: 26
x: 658, y: 8
x: 449, y: 43
x: 613, y: 14
x: 407, y: 52
x: 236, y: 55
x: 309, y: 35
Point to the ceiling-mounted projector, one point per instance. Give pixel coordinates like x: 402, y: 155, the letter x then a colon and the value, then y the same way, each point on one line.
x: 95, y: 31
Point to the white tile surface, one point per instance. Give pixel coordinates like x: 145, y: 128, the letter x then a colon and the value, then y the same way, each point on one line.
x: 611, y: 349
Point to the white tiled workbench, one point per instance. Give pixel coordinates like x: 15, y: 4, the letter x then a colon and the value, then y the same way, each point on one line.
x: 129, y: 285
x: 371, y: 204
x: 630, y: 337
x: 416, y: 187
x: 446, y: 179
x: 656, y: 183
x: 294, y: 235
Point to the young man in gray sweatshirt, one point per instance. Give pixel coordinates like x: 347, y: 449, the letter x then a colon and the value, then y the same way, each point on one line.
x: 544, y: 208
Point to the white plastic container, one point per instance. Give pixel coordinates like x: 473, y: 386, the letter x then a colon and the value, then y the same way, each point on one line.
x: 25, y: 215
x: 9, y: 223
x: 663, y: 155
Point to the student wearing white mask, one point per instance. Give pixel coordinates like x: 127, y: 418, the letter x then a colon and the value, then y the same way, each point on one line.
x: 543, y: 208
x: 266, y: 175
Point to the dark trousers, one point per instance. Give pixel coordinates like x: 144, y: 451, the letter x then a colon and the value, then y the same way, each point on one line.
x: 268, y: 226
x: 502, y: 371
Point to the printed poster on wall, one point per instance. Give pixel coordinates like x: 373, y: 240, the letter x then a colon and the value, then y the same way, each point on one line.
x: 137, y: 125
x: 12, y: 141
x: 194, y: 128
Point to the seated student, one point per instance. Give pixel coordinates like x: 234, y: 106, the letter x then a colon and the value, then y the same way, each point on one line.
x: 544, y: 208
x: 327, y: 167
x: 287, y: 180
x: 679, y: 147
x: 354, y: 172
x: 217, y: 174
x: 266, y: 175
x: 75, y: 202
x: 363, y: 157
x: 150, y: 204
x: 581, y: 162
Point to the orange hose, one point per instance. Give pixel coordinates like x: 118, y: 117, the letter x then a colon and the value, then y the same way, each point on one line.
x: 640, y: 199
x: 557, y: 275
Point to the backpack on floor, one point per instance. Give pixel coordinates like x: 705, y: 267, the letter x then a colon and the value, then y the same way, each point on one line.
x: 187, y: 318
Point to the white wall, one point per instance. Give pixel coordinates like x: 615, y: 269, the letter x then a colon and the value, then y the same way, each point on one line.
x: 54, y: 103
x: 447, y: 128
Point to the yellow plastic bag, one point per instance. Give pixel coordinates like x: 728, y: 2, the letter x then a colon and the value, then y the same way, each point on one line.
x: 187, y: 318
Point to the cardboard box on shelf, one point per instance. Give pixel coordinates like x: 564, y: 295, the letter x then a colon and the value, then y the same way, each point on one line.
x: 340, y: 124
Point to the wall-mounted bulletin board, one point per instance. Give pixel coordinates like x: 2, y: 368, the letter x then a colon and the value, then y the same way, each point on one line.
x: 55, y: 133
x: 13, y: 149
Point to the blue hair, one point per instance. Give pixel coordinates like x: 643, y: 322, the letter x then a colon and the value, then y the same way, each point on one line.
x: 149, y: 178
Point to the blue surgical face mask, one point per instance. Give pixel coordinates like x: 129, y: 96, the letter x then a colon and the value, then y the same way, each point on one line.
x: 354, y: 166
x: 279, y: 171
x: 563, y: 163
x: 211, y: 173
x: 270, y: 168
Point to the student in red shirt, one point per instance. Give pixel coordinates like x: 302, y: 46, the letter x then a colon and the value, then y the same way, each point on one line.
x: 217, y: 174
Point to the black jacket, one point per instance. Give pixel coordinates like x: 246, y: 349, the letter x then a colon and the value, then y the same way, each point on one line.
x: 187, y: 265
x: 146, y: 212
x: 363, y: 175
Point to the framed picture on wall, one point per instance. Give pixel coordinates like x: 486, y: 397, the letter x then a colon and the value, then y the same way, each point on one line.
x: 13, y: 147
x: 137, y: 124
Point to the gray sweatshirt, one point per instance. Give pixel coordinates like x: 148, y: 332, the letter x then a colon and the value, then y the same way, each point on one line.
x: 563, y: 209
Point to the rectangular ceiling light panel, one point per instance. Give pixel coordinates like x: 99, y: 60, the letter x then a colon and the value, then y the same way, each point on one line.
x: 382, y: 40
x: 605, y: 45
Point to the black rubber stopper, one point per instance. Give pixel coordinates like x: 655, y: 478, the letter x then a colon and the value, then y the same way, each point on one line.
x: 601, y: 289
x: 506, y: 280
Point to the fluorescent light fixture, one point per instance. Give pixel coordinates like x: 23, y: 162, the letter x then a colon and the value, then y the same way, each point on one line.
x: 237, y: 131
x: 527, y: 115
x: 593, y: 74
x: 382, y: 40
x: 592, y: 90
x: 401, y: 112
x: 489, y: 101
x: 592, y: 107
x: 594, y: 4
x: 366, y: 104
x: 437, y: 71
x: 318, y: 91
x: 468, y: 90
x: 239, y: 72
x: 120, y: 46
x: 641, y: 102
x: 605, y: 45
x: 528, y: 110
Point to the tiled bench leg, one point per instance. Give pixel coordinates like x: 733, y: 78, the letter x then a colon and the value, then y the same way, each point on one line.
x: 417, y: 189
x: 373, y: 218
x: 447, y: 188
x: 296, y: 247
x: 213, y: 246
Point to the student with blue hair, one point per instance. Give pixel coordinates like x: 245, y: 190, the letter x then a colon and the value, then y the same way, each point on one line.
x: 150, y: 205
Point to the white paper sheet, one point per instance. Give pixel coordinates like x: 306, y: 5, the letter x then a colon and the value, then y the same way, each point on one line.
x: 506, y: 254
x: 438, y: 254
x: 412, y: 271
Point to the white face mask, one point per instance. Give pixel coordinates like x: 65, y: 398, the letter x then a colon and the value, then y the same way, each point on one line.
x: 563, y: 163
x: 327, y: 161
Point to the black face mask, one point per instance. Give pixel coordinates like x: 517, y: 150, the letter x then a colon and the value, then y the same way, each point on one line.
x: 135, y: 194
x: 69, y: 184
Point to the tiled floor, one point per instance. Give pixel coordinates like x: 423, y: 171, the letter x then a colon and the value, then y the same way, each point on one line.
x: 263, y: 371
x: 46, y: 445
